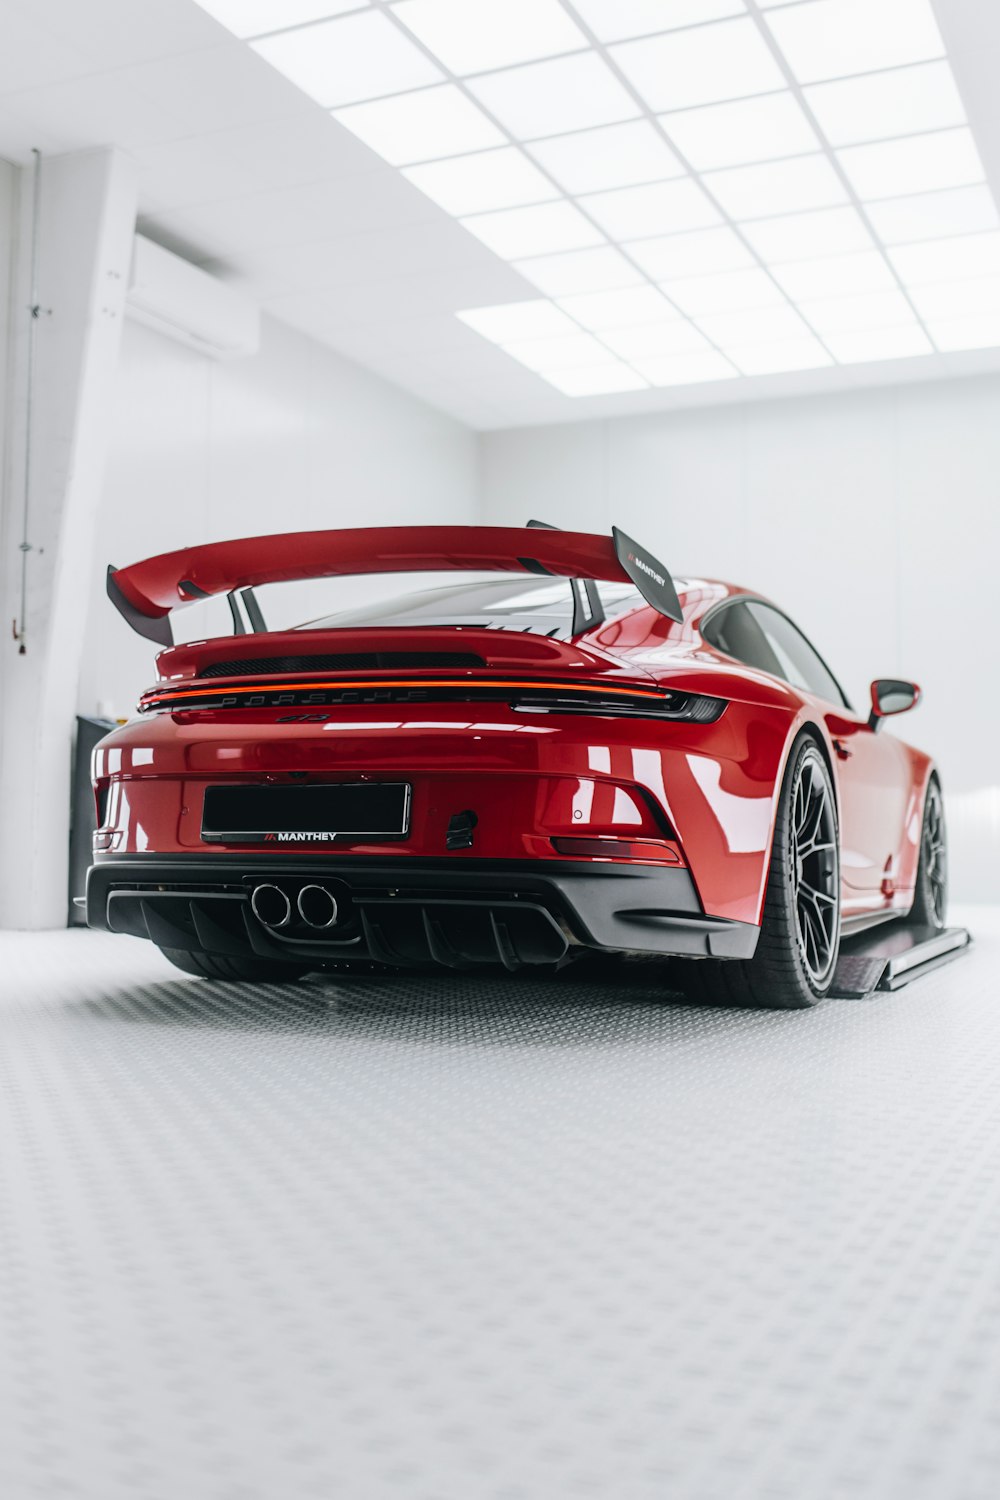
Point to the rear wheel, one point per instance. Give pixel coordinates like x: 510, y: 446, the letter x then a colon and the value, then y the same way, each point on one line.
x: 799, y: 941
x: 930, y: 899
x: 219, y: 966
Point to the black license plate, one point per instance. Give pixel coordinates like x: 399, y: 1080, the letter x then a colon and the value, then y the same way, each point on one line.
x: 305, y: 814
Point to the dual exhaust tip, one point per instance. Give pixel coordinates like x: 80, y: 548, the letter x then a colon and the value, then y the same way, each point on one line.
x: 315, y: 905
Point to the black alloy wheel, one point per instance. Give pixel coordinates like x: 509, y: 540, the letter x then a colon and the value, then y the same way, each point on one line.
x: 930, y: 899
x: 799, y: 943
x: 815, y: 869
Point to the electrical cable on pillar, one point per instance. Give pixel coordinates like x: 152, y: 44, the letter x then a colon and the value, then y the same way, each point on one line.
x: 34, y: 309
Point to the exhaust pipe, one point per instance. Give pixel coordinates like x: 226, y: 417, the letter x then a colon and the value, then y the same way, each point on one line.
x: 317, y: 906
x: 271, y: 906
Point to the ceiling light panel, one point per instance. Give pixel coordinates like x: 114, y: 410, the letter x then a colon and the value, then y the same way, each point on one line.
x: 618, y: 309
x: 247, y: 18
x: 952, y: 334
x: 548, y: 98
x: 903, y: 101
x: 836, y: 276
x: 849, y: 314
x: 473, y: 36
x: 596, y: 380
x: 704, y: 65
x: 486, y: 180
x: 762, y: 325
x: 617, y: 20
x: 835, y: 38
x: 687, y: 369
x: 515, y: 233
x: 572, y: 351
x: 597, y: 270
x: 511, y: 322
x: 729, y: 292
x: 421, y: 126
x: 659, y: 208
x: 702, y: 250
x: 778, y: 187
x: 902, y: 342
x: 930, y: 216
x: 614, y: 156
x: 918, y: 164
x: 957, y: 299
x: 655, y: 340
x: 777, y: 359
x: 749, y: 130
x: 360, y: 56
x: 830, y: 231
x: 948, y: 260
x: 545, y: 155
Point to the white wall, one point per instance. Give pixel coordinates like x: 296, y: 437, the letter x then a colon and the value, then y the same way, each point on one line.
x: 8, y: 181
x: 873, y: 518
x: 62, y: 367
x: 292, y: 438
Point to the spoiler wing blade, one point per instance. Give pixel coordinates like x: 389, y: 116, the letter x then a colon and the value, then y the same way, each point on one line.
x: 649, y: 576
x: 146, y: 593
x: 155, y: 627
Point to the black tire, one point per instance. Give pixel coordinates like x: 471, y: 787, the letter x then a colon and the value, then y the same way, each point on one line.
x: 219, y: 966
x: 930, y: 898
x: 799, y: 942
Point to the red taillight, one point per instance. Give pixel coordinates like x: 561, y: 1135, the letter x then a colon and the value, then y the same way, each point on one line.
x: 656, y: 850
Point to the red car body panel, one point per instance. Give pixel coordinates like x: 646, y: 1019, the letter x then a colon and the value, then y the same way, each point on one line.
x: 691, y: 795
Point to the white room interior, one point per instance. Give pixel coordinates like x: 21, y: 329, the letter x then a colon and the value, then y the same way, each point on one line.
x: 724, y: 274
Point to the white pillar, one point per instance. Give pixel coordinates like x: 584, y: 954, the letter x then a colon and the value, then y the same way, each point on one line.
x: 86, y: 222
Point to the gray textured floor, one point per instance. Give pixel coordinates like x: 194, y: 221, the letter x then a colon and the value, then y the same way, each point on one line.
x: 500, y: 1240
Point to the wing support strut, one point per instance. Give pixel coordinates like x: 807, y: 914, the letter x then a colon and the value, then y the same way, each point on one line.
x: 588, y: 611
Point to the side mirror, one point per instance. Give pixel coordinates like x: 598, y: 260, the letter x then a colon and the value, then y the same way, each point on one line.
x: 890, y: 695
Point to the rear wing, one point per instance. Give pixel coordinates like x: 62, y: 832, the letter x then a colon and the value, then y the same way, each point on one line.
x: 147, y: 593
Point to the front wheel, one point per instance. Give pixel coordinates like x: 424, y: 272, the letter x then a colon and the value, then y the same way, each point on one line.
x: 799, y: 941
x: 930, y: 899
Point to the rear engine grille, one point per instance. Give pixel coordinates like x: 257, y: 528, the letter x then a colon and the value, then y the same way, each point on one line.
x: 356, y: 661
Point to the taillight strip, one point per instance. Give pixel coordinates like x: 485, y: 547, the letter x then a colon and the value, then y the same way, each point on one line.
x: 245, y: 690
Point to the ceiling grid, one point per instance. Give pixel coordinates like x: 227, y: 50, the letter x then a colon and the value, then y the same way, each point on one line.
x: 641, y: 161
x: 535, y: 210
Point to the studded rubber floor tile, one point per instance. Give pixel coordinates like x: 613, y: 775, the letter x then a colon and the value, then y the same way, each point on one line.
x: 493, y: 1238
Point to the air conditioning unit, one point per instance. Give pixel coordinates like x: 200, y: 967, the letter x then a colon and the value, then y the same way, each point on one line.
x: 187, y: 304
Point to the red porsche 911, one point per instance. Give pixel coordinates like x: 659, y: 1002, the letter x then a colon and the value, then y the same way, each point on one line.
x: 573, y: 754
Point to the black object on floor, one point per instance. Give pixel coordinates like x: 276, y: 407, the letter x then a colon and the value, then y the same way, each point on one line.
x: 893, y: 954
x: 82, y: 817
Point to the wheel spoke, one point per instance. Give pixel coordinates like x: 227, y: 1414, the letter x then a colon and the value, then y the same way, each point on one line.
x: 814, y: 848
x: 817, y: 895
x: 811, y: 830
x: 815, y: 936
x: 934, y: 856
x: 799, y: 811
x: 817, y: 913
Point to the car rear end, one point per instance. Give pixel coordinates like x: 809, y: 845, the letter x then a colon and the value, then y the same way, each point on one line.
x: 438, y: 794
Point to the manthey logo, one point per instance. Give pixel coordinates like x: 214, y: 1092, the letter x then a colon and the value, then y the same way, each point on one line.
x: 299, y: 838
x: 645, y: 568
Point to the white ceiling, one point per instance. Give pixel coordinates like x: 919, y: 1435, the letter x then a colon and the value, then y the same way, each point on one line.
x: 243, y: 172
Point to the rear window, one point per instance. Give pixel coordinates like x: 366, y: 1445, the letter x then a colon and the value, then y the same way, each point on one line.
x: 543, y: 606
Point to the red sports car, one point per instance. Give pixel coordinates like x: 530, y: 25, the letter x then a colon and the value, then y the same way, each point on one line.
x: 575, y: 753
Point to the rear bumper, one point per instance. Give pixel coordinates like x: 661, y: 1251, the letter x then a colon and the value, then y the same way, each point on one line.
x: 413, y: 910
